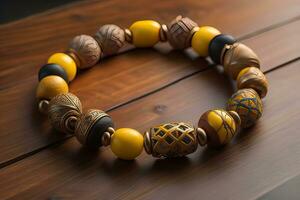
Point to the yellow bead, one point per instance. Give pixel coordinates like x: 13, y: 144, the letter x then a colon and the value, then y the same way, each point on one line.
x: 202, y: 38
x: 145, y: 33
x: 50, y: 86
x: 66, y: 62
x: 127, y: 143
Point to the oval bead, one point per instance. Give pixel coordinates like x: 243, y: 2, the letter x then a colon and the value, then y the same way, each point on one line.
x: 202, y: 38
x: 171, y: 140
x: 52, y: 69
x: 51, y: 86
x: 252, y: 77
x: 247, y: 103
x: 219, y: 126
x: 126, y: 143
x: 145, y: 33
x: 66, y: 62
x: 217, y: 45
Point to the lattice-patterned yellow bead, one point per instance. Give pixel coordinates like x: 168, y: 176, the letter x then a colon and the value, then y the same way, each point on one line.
x: 219, y: 127
x: 247, y: 103
x: 171, y: 140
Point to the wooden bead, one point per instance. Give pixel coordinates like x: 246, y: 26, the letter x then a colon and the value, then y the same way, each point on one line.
x: 52, y: 69
x: 219, y: 126
x: 237, y: 57
x: 202, y: 38
x: 63, y: 112
x: 248, y: 105
x: 51, y: 86
x: 111, y: 38
x: 86, y: 49
x: 180, y: 32
x: 145, y: 33
x: 66, y: 62
x: 252, y: 77
x: 171, y: 140
x: 91, y: 126
x: 127, y: 143
x: 217, y: 45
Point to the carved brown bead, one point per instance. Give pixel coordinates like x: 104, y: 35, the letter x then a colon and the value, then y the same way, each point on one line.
x: 111, y: 38
x: 252, y: 77
x: 180, y: 32
x: 237, y: 57
x: 64, y: 110
x: 86, y: 50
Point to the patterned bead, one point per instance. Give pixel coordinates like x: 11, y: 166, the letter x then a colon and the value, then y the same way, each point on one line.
x: 219, y: 126
x: 237, y: 57
x: 171, y: 140
x: 248, y: 105
x: 111, y: 38
x: 50, y: 86
x: 66, y: 62
x: 252, y: 77
x: 63, y: 112
x: 180, y: 32
x: 86, y: 49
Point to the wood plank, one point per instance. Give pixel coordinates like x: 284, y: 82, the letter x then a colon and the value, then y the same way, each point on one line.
x: 258, y: 160
x: 24, y: 132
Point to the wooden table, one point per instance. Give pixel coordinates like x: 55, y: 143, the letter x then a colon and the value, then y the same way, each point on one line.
x: 141, y: 88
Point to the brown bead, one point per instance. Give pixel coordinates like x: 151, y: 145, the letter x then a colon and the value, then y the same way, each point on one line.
x: 86, y: 49
x: 63, y: 112
x: 180, y: 32
x: 111, y: 38
x: 252, y: 77
x: 237, y: 57
x: 163, y: 31
x: 171, y: 140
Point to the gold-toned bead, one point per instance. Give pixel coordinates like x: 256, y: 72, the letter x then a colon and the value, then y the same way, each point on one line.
x: 201, y: 136
x: 63, y: 112
x: 43, y: 106
x: 128, y: 35
x: 171, y: 140
x: 236, y: 57
x: 236, y: 117
x: 252, y: 77
x: 163, y: 31
x: 106, y: 137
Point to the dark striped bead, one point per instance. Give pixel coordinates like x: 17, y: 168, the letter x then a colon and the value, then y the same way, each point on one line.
x: 52, y: 69
x: 217, y: 44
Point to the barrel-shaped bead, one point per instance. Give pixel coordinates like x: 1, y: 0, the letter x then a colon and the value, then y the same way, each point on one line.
x: 217, y: 45
x: 202, y: 38
x: 145, y: 33
x: 66, y: 62
x: 248, y: 105
x: 50, y: 86
x: 127, y: 143
x: 219, y: 126
x: 52, y: 69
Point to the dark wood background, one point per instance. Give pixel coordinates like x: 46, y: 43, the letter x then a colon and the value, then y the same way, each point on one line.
x: 141, y: 88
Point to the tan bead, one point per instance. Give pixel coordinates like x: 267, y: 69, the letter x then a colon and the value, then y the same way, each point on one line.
x: 86, y: 49
x: 63, y: 112
x: 180, y: 32
x: 252, y: 77
x: 111, y: 38
x: 171, y: 140
x: 43, y: 106
x: 236, y: 57
x: 163, y: 31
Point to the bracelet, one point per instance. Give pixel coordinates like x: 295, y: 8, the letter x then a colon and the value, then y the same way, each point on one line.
x: 95, y: 128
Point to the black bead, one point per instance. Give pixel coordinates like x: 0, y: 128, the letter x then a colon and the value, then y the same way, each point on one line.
x: 52, y: 69
x: 94, y: 138
x: 217, y: 44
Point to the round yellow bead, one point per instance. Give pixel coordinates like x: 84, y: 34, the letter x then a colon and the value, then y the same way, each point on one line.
x: 145, y: 33
x: 126, y: 143
x: 66, y: 62
x: 50, y: 86
x: 202, y: 38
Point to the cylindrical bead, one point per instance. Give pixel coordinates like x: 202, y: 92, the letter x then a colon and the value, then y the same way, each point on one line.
x: 66, y: 62
x: 171, y: 140
x: 252, y: 77
x: 145, y: 33
x: 219, y: 126
x: 237, y: 57
x: 248, y: 105
x: 50, y: 86
x: 217, y: 44
x: 202, y: 38
x: 52, y: 69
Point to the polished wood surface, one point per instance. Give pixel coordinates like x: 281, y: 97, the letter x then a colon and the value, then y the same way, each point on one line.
x: 141, y: 88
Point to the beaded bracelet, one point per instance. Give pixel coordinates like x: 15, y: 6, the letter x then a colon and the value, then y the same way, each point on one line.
x: 95, y: 128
